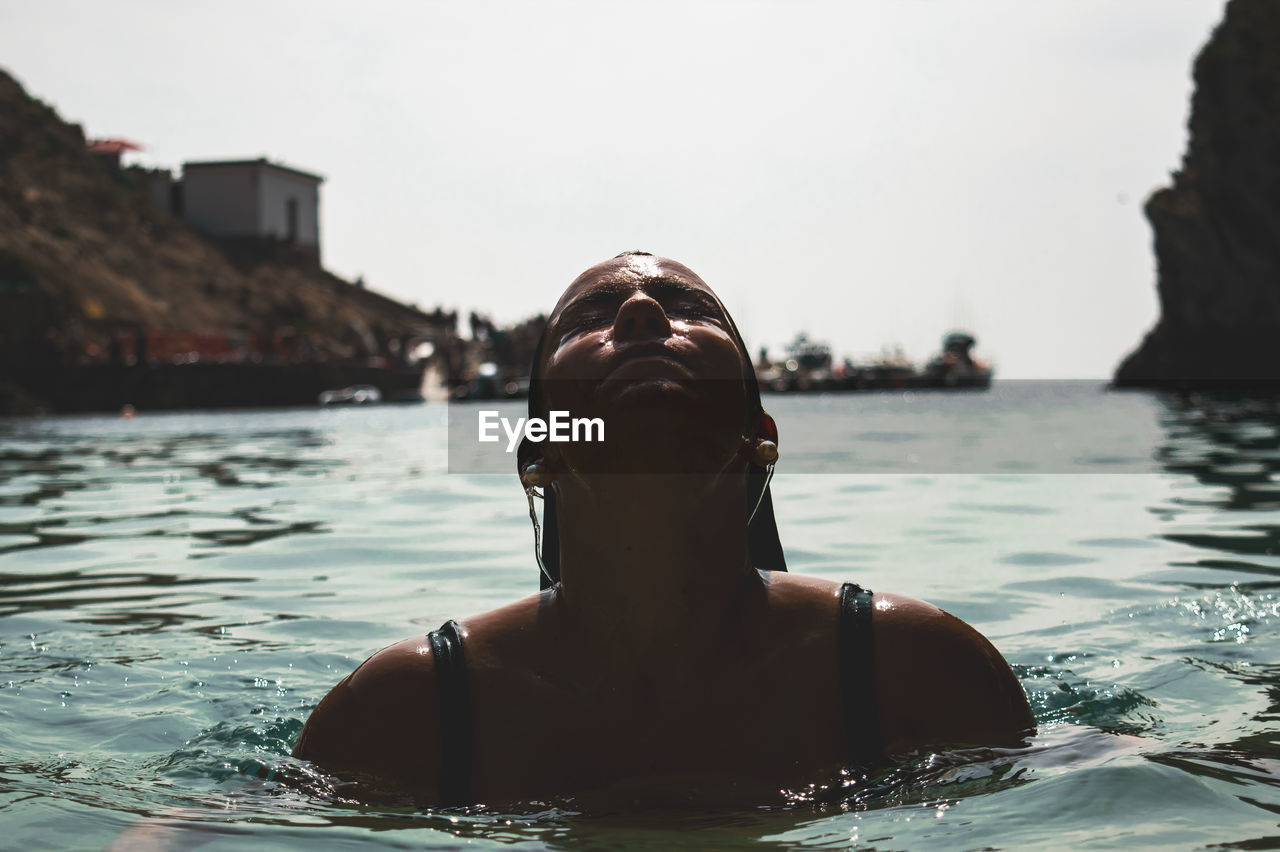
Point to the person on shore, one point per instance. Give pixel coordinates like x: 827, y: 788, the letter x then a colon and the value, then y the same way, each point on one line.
x: 668, y: 650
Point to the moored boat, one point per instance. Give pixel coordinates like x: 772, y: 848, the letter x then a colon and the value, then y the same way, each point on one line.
x: 955, y: 367
x: 809, y: 366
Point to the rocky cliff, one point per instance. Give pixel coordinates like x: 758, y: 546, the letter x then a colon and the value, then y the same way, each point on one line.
x: 91, y: 272
x: 1217, y: 228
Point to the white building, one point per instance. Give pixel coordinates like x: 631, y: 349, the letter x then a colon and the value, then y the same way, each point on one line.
x: 253, y: 198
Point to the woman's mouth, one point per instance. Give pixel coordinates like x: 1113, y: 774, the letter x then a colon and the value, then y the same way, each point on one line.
x: 644, y: 367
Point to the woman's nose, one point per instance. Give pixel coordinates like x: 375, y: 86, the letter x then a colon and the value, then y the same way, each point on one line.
x: 641, y: 317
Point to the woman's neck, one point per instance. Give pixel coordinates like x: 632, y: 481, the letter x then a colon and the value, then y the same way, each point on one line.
x: 649, y: 563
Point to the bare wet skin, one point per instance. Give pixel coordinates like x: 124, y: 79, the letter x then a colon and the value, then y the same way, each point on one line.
x: 660, y: 651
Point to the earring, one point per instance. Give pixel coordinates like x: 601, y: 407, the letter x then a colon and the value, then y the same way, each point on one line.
x: 767, y: 453
x: 761, y: 449
x: 761, y: 452
x: 535, y: 475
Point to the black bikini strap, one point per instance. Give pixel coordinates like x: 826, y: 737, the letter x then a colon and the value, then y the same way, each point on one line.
x: 454, y: 705
x: 858, y: 677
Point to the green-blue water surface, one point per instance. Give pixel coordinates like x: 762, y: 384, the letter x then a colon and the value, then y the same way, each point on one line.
x: 178, y: 591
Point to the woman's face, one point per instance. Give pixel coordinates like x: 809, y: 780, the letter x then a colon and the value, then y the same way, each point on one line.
x: 643, y: 343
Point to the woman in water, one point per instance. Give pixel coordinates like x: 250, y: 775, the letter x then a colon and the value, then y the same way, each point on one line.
x: 668, y: 650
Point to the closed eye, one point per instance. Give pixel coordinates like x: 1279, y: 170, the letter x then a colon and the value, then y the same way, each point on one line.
x: 694, y: 309
x: 581, y: 321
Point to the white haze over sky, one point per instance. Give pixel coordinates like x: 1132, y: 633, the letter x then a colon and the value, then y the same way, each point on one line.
x: 871, y: 172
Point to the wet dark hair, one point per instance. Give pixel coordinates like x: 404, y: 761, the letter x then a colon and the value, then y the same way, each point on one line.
x: 764, y: 548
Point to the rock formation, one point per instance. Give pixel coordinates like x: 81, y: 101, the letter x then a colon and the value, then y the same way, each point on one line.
x: 1217, y: 229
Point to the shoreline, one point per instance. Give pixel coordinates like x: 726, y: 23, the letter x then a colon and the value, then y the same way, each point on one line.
x: 81, y: 389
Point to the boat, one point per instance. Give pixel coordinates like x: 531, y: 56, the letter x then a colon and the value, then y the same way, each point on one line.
x: 955, y: 367
x: 490, y: 383
x: 809, y: 366
x: 806, y: 367
x: 353, y: 395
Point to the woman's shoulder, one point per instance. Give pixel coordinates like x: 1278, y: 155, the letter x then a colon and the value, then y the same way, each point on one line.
x: 380, y: 721
x: 941, y: 683
x: 383, y: 718
x: 403, y: 673
x: 938, y: 681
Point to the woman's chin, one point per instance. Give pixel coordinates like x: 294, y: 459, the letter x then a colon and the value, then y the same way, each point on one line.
x: 658, y: 392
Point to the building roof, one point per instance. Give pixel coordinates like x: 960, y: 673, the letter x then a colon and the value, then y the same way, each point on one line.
x: 112, y: 146
x: 261, y: 161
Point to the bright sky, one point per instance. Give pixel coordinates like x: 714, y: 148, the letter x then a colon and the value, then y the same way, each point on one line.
x: 872, y: 172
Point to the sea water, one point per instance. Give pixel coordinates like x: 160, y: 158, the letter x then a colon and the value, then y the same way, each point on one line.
x: 178, y: 591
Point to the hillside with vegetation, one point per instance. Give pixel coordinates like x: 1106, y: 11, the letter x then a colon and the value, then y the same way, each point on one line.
x: 92, y: 272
